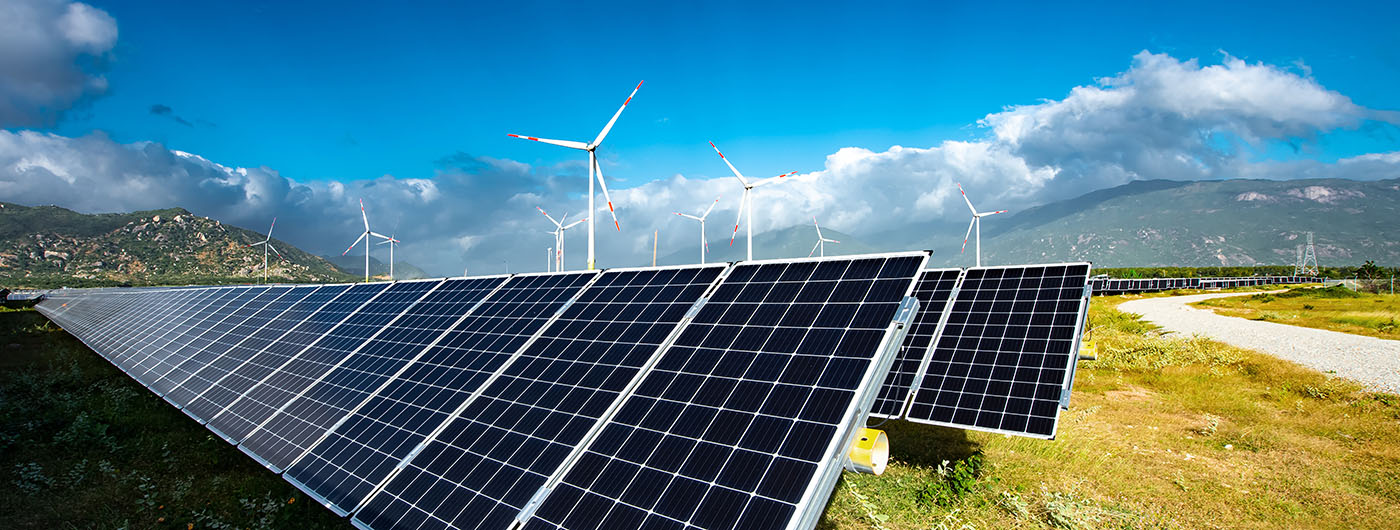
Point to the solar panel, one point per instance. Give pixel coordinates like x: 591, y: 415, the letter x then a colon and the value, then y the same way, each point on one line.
x: 252, y: 359
x: 258, y: 401
x: 486, y: 463
x: 1005, y: 360
x: 196, y: 321
x: 198, y: 373
x: 275, y: 442
x: 933, y: 290
x: 346, y: 466
x: 742, y: 421
x: 192, y: 352
x: 146, y: 330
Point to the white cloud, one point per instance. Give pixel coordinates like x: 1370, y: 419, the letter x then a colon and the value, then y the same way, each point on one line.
x: 52, y: 54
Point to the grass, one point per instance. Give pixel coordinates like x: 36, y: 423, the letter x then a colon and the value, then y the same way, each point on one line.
x: 1334, y: 308
x: 1161, y: 433
x: 84, y: 446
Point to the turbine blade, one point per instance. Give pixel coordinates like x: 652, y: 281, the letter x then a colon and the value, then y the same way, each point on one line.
x: 964, y: 195
x: 362, y: 214
x: 969, y: 234
x: 707, y: 210
x: 563, y: 143
x: 992, y: 213
x: 738, y: 175
x: 688, y: 216
x: 269, y: 229
x: 573, y: 224
x: 814, y: 249
x: 352, y: 245
x: 771, y: 180
x: 379, y: 235
x: 599, y: 170
x: 609, y: 126
x: 551, y: 219
x: 742, y: 199
x: 819, y: 228
x: 274, y: 251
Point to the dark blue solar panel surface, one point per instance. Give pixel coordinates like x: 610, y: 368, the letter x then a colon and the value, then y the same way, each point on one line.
x: 251, y: 360
x: 731, y: 427
x: 164, y: 355
x: 220, y: 357
x: 346, y: 466
x: 497, y: 452
x: 149, y: 329
x: 1006, y: 353
x: 933, y: 291
x: 200, y: 350
x: 276, y: 439
x: 261, y: 399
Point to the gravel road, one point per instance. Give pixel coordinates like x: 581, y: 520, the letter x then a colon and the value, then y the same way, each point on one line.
x: 1368, y: 360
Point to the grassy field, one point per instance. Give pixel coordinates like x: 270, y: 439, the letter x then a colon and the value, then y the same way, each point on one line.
x: 1334, y: 308
x: 1162, y: 433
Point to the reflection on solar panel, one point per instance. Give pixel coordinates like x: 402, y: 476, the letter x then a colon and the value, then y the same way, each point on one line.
x: 934, y: 290
x: 1005, y: 358
x: 715, y: 396
x: 498, y: 450
x: 278, y: 438
x: 739, y: 417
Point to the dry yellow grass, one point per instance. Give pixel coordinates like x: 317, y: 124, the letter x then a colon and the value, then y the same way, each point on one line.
x: 1336, y: 309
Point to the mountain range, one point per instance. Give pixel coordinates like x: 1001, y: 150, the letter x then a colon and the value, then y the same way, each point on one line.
x: 1141, y: 224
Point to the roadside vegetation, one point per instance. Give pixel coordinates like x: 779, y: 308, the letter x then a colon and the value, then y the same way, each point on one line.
x: 1162, y: 432
x: 1334, y: 308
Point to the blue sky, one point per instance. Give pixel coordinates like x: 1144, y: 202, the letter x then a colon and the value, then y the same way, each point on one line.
x: 325, y: 91
x: 297, y: 110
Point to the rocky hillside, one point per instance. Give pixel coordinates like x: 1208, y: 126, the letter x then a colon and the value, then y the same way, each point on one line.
x: 47, y: 246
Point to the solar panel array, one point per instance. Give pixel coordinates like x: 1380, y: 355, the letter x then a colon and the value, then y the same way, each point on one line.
x: 1113, y: 286
x: 716, y: 396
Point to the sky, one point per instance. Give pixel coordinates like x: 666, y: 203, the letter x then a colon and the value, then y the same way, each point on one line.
x: 243, y: 111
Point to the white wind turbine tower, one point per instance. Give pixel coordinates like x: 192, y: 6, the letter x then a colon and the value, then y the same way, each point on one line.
x: 366, y: 237
x: 746, y: 202
x: 391, y: 242
x: 267, y: 245
x: 821, y: 241
x: 593, y: 169
x: 559, y: 228
x: 976, y: 220
x: 704, y: 245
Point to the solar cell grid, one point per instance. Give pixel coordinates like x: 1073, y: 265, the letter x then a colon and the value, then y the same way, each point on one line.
x: 739, y: 417
x: 275, y: 442
x: 257, y: 401
x: 213, y: 343
x: 501, y: 447
x: 113, y: 321
x: 349, y: 463
x: 1006, y: 352
x: 134, y: 343
x: 159, y: 357
x: 933, y: 290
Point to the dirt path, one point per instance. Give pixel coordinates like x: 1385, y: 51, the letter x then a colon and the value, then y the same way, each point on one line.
x: 1368, y: 360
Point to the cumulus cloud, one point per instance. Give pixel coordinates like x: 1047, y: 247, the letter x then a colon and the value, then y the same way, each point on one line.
x: 52, y: 55
x: 1161, y: 118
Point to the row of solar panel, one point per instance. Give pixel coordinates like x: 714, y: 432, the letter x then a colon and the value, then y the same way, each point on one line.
x: 1112, y: 286
x: 712, y: 396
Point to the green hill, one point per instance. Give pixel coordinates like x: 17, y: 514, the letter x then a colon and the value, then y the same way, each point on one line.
x: 49, y: 246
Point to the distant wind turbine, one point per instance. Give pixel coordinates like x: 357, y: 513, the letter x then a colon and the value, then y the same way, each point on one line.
x: 559, y: 228
x: 365, y: 236
x: 593, y: 169
x: 821, y: 241
x: 746, y: 202
x: 704, y: 244
x: 267, y: 245
x: 976, y: 221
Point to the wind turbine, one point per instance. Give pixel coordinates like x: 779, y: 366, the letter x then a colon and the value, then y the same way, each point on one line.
x: 391, y: 242
x: 704, y: 245
x: 366, y: 237
x: 267, y: 245
x: 976, y: 221
x: 593, y: 169
x: 745, y: 202
x: 821, y: 241
x: 559, y: 228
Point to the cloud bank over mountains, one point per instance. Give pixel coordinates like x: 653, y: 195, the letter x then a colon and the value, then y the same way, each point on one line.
x: 1163, y: 117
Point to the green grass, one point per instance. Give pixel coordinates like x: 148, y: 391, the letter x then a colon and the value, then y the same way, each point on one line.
x: 1334, y: 308
x: 1161, y: 433
x: 84, y: 446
